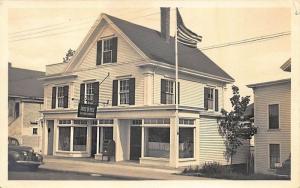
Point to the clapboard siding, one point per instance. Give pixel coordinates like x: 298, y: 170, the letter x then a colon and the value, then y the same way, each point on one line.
x: 191, y: 91
x: 212, y: 145
x: 55, y: 68
x: 263, y: 96
x: 126, y: 53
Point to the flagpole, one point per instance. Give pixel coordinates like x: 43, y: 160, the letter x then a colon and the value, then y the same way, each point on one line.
x: 176, y: 86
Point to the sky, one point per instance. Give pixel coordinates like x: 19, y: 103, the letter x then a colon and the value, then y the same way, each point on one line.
x: 41, y: 36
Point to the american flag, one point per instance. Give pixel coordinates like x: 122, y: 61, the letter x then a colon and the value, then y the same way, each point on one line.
x: 184, y: 35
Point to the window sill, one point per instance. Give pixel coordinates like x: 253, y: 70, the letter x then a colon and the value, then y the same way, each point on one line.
x: 273, y: 130
x: 106, y: 64
x: 155, y: 158
x: 75, y: 152
x: 186, y: 159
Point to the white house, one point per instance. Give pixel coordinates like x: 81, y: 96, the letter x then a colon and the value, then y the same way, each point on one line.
x: 272, y: 116
x: 128, y: 71
x: 25, y: 100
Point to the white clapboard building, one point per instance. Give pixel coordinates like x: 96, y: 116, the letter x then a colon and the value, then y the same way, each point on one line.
x: 128, y: 71
x: 272, y: 116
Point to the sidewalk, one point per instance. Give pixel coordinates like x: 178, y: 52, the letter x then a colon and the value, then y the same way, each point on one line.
x: 125, y: 169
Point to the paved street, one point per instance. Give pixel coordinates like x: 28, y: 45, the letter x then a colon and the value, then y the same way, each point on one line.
x: 55, y: 168
x: 44, y: 174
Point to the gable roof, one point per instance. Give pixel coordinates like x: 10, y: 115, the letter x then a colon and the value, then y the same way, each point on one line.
x: 150, y: 42
x: 25, y: 83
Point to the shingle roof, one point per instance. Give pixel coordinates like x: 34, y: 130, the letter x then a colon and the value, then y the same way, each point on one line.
x: 24, y: 82
x: 150, y: 42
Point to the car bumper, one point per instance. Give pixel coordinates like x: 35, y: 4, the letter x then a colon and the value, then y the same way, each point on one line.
x: 29, y: 163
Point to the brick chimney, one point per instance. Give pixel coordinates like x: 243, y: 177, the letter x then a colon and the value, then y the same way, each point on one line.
x: 165, y: 23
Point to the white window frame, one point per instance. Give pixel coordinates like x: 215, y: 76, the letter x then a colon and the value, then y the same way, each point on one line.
x: 62, y: 97
x: 86, y: 92
x: 103, y: 51
x: 170, y: 90
x: 268, y: 120
x: 213, y: 98
x: 123, y: 92
x: 269, y: 161
x: 71, y: 125
x: 194, y: 136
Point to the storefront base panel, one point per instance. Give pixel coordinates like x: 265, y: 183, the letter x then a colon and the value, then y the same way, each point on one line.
x: 187, y: 162
x: 69, y: 154
x: 154, y: 161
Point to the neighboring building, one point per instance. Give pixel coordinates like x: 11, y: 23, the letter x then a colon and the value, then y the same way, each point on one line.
x: 129, y: 71
x: 272, y: 116
x: 25, y: 100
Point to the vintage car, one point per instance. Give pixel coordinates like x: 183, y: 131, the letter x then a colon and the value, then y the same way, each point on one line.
x: 22, y: 156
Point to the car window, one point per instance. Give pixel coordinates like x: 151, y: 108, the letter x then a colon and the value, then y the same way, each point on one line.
x: 12, y: 141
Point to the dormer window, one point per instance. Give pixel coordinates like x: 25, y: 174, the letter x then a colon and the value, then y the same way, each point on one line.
x: 107, y: 51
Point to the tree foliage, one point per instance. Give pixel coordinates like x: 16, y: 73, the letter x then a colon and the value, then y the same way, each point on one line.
x: 69, y: 55
x: 234, y: 125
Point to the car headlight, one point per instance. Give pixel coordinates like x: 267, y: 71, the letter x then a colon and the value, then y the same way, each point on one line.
x: 25, y: 153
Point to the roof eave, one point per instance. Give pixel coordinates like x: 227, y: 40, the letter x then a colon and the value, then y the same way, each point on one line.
x: 262, y: 84
x: 188, y: 71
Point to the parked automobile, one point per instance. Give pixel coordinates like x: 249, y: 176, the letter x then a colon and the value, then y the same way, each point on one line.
x: 22, y: 156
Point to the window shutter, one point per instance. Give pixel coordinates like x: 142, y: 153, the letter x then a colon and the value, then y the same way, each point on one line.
x: 132, y: 91
x: 216, y: 100
x: 53, y: 104
x: 163, y: 99
x: 205, y: 98
x: 66, y: 96
x: 178, y: 93
x: 99, y: 52
x: 82, y: 93
x: 96, y: 93
x: 115, y: 93
x: 114, y: 49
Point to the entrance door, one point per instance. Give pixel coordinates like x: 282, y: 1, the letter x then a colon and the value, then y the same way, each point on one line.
x: 50, y: 126
x: 94, y: 141
x: 135, y: 142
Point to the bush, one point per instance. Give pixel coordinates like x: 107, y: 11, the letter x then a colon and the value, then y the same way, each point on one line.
x: 285, y: 169
x: 214, y: 168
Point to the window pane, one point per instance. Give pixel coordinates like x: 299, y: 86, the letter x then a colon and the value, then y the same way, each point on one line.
x: 64, y: 138
x: 107, y: 137
x: 157, y: 142
x: 79, y: 139
x: 274, y: 116
x: 274, y: 155
x: 186, y: 142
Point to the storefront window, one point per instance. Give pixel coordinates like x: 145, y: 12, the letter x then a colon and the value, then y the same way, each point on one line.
x: 79, y: 138
x: 157, y: 142
x: 186, y: 142
x: 64, y: 138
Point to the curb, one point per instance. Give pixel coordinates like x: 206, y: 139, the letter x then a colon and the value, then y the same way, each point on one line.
x: 125, y: 166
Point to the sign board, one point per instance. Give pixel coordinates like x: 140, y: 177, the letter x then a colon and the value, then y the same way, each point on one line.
x: 87, y: 110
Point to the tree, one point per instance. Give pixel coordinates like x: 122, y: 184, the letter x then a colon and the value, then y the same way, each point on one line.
x: 69, y: 55
x: 234, y: 126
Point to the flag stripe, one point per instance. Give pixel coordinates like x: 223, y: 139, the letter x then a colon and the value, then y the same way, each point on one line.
x: 192, y: 45
x: 184, y: 35
x: 185, y: 30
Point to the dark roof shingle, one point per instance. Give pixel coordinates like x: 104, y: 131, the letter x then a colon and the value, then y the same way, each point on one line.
x: 24, y: 82
x: 156, y: 48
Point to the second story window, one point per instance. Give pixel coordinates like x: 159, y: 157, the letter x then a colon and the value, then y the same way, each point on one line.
x: 124, y: 92
x: 211, y: 99
x: 107, y: 51
x: 60, y: 97
x: 273, y: 116
x: 89, y: 93
x: 168, y: 91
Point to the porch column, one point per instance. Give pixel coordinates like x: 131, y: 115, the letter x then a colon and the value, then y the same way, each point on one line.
x: 101, y: 139
x: 197, y: 140
x: 143, y: 142
x: 71, y: 140
x: 174, y: 141
x: 97, y: 152
x: 116, y: 136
